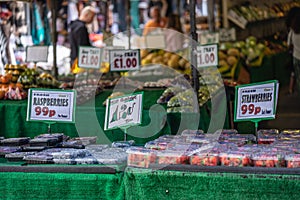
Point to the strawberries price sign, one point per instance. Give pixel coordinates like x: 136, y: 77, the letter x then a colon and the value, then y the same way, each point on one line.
x: 256, y: 101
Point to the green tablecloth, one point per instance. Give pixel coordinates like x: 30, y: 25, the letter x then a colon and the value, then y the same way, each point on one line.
x: 20, y: 185
x: 89, y: 120
x: 147, y: 184
x: 136, y: 183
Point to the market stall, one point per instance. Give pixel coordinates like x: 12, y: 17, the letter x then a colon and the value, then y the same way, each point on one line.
x: 172, y: 152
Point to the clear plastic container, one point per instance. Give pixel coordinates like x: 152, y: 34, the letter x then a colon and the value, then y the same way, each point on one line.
x: 267, y: 136
x: 290, y: 135
x: 235, y: 159
x: 141, y: 157
x: 172, y: 157
x: 268, y: 159
x: 205, y: 159
x: 292, y: 160
x: 189, y: 133
x: 15, y: 141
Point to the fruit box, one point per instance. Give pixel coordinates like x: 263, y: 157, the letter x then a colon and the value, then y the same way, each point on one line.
x: 292, y: 160
x: 268, y: 159
x: 267, y: 136
x: 140, y: 157
x: 205, y: 159
x: 235, y: 159
x: 172, y: 157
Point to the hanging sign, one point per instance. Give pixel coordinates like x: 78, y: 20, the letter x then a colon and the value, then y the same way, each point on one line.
x: 124, y: 111
x: 207, y: 55
x: 256, y: 101
x: 37, y: 54
x: 124, y: 60
x: 206, y: 37
x: 227, y: 35
x: 50, y: 105
x: 89, y: 57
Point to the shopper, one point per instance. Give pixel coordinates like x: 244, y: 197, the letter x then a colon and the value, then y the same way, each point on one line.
x: 294, y: 44
x: 156, y: 21
x: 174, y: 34
x: 79, y: 35
x: 289, y: 18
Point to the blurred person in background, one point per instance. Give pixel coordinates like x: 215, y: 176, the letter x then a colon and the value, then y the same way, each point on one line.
x: 292, y: 12
x: 79, y: 35
x: 294, y: 45
x: 156, y: 21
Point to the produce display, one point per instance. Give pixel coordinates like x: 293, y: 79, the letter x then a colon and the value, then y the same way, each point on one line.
x: 180, y: 96
x: 165, y: 58
x: 252, y: 13
x: 203, y: 149
x: 57, y: 148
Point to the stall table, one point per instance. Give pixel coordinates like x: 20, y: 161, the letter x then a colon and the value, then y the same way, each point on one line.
x: 89, y: 120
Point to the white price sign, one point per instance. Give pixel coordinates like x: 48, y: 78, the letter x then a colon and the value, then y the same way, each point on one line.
x: 37, y: 54
x: 51, y: 105
x: 256, y: 101
x: 207, y: 55
x: 123, y: 111
x: 89, y: 57
x: 124, y: 60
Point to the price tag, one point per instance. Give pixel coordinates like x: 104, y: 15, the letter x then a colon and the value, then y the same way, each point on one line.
x: 153, y: 41
x: 256, y: 101
x: 227, y: 35
x: 206, y: 37
x: 123, y: 111
x: 89, y: 57
x: 37, y: 54
x: 124, y: 60
x: 105, y: 55
x: 207, y: 55
x: 51, y: 105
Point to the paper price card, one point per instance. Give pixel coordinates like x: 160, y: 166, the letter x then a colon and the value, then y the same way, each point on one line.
x: 37, y: 54
x: 206, y: 37
x: 51, y: 105
x: 124, y: 111
x: 256, y: 101
x: 207, y: 55
x: 124, y: 60
x: 89, y: 57
x: 227, y: 34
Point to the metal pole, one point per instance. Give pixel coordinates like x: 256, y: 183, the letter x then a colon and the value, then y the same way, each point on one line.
x: 211, y: 15
x: 194, y: 35
x: 128, y: 23
x: 54, y: 36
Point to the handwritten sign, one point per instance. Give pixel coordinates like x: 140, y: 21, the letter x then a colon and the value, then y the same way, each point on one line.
x: 89, y: 57
x: 207, y: 55
x: 206, y: 37
x: 256, y: 101
x: 227, y: 35
x: 124, y: 111
x: 37, y: 54
x: 51, y: 105
x: 124, y: 60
